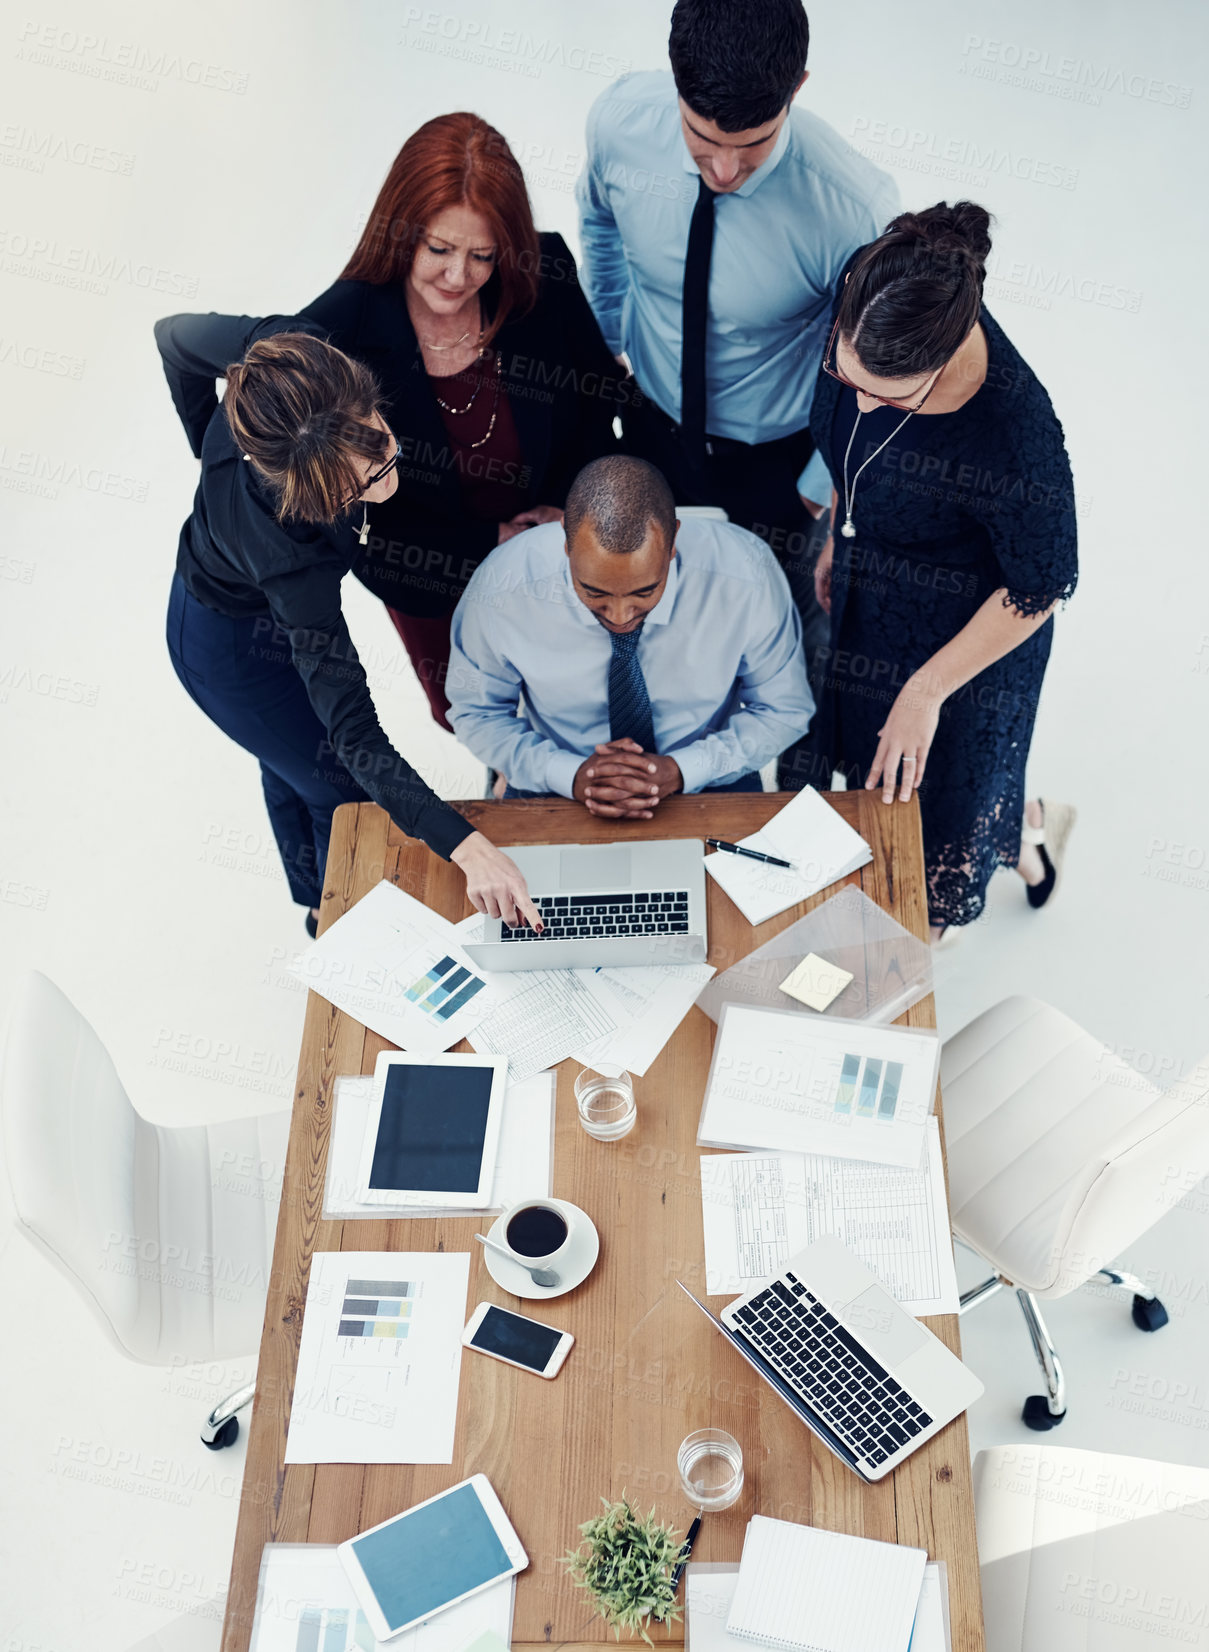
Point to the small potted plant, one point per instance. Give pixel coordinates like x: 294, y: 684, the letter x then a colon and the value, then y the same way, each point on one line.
x: 625, y: 1562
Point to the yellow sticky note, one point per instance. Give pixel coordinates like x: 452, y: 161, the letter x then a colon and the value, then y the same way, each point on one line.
x: 815, y: 982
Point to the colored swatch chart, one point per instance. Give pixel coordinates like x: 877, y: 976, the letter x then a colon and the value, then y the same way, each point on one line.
x: 867, y: 1089
x: 333, y: 1629
x: 443, y: 989
x: 376, y: 1308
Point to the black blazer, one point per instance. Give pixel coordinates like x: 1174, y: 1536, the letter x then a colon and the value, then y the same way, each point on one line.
x: 564, y: 389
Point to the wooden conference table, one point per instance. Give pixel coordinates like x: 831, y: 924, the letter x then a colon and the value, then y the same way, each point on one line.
x: 646, y: 1368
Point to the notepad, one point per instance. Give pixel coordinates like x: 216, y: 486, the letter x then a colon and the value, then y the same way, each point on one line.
x: 816, y: 1591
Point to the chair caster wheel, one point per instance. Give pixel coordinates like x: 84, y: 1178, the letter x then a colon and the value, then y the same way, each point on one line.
x: 1037, y: 1414
x: 226, y: 1435
x: 1149, y: 1316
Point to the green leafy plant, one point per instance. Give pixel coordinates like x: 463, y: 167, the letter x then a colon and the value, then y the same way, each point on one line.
x: 625, y: 1562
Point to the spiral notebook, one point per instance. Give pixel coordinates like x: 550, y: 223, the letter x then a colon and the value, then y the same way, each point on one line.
x: 816, y: 1591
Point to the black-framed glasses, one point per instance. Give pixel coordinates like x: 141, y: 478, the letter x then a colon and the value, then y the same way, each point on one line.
x: 886, y: 401
x: 377, y: 476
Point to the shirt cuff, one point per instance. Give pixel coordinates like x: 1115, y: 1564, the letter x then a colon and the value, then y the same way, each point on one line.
x: 561, y: 771
x: 815, y: 481
x: 694, y: 767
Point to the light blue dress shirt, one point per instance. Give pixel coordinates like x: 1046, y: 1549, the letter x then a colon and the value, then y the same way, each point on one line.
x: 721, y: 653
x: 780, y: 242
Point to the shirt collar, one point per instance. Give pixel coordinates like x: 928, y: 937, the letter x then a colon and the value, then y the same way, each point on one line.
x: 751, y: 183
x: 660, y: 614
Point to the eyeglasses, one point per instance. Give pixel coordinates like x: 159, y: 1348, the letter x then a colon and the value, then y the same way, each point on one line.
x: 377, y: 476
x: 886, y: 401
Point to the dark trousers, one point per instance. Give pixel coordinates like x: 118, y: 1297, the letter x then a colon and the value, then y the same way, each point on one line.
x: 240, y: 673
x: 745, y: 783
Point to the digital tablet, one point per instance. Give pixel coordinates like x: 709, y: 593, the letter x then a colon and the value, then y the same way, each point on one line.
x: 430, y: 1557
x: 433, y: 1130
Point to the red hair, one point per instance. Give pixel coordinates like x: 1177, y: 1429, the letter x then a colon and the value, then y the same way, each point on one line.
x: 454, y: 160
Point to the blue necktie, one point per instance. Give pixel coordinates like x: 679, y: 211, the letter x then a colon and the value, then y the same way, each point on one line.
x: 629, y: 703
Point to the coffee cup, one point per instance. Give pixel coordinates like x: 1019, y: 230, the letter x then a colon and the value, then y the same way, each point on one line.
x: 536, y: 1231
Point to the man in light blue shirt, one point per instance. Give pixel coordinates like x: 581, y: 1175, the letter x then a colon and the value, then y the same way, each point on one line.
x: 717, y: 143
x: 629, y: 656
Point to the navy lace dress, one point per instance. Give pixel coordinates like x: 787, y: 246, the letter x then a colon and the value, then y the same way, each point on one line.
x: 957, y: 506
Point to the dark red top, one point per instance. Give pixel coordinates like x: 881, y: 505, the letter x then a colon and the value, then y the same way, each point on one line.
x: 494, y: 476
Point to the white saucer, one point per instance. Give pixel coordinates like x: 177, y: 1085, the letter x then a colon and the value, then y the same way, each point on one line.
x: 573, y: 1267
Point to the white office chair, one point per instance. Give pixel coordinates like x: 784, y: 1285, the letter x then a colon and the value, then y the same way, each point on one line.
x: 167, y: 1231
x: 1085, y: 1552
x: 1060, y: 1155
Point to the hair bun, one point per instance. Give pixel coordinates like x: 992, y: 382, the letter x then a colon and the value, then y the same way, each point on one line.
x: 959, y: 233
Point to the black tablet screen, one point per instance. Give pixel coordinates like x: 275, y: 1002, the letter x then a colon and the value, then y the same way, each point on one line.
x: 430, y: 1136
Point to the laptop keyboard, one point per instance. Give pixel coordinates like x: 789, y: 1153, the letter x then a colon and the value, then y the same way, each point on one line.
x: 573, y: 917
x: 813, y: 1353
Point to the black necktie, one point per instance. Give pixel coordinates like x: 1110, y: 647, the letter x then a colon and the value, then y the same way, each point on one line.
x: 696, y: 312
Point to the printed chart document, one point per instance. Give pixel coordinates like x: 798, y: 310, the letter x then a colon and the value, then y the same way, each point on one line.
x: 932, y: 1632
x: 624, y: 1015
x: 817, y: 841
x: 818, y: 1591
x: 759, y: 1209
x: 819, y: 1084
x: 380, y: 1357
x: 305, y: 1603
x: 396, y: 966
x: 523, y: 1164
x: 647, y: 1003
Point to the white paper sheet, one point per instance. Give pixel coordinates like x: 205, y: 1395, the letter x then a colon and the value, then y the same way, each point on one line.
x: 931, y: 1632
x: 824, y: 1591
x: 541, y: 1016
x: 759, y: 1209
x: 623, y: 1015
x: 386, y: 1391
x: 305, y: 1603
x: 819, y: 1084
x: 397, y: 967
x: 647, y: 1004
x: 708, y: 1592
x: 807, y: 832
x: 523, y: 1164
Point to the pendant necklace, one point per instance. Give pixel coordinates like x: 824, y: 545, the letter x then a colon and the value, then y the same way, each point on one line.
x: 848, y: 527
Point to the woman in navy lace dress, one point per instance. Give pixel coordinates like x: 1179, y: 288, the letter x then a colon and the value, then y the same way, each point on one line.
x: 953, y: 538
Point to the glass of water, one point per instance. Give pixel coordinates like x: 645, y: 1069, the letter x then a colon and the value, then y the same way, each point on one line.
x: 604, y: 1096
x: 711, y: 1468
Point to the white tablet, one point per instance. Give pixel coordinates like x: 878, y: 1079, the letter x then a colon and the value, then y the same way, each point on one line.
x: 430, y: 1557
x: 433, y: 1130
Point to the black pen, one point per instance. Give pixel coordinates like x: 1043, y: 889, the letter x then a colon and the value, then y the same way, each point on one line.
x: 738, y: 849
x: 685, y: 1552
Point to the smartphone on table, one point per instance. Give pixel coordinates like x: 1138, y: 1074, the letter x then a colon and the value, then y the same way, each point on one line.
x: 510, y: 1337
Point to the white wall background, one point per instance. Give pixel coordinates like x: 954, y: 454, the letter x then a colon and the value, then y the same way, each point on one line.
x: 224, y: 157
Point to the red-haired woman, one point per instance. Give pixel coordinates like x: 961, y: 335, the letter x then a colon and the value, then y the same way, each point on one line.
x: 494, y: 373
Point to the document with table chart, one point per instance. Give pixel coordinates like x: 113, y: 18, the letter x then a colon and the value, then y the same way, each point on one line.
x: 380, y: 1356
x: 759, y: 1209
x: 819, y: 1084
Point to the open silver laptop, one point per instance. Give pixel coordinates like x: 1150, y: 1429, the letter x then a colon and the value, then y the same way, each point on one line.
x: 864, y: 1376
x: 602, y: 904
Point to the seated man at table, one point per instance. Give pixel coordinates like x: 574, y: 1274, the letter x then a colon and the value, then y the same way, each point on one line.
x: 622, y: 656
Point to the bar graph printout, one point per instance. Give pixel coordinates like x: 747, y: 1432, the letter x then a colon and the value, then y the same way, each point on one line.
x: 379, y: 1358
x: 760, y: 1208
x: 819, y: 1084
x: 305, y: 1603
x: 398, y: 969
